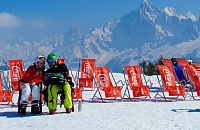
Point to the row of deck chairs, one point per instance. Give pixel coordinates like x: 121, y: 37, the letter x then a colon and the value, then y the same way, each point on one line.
x: 98, y: 79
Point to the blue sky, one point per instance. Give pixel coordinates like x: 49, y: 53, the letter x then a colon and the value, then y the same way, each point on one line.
x: 36, y: 19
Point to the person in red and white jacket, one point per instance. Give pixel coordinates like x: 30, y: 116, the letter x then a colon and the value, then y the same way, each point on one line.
x: 32, y: 79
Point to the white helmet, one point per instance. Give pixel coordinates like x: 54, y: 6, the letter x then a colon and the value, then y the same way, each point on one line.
x: 40, y: 58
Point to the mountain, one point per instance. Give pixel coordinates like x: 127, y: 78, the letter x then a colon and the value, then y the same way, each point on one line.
x: 143, y: 34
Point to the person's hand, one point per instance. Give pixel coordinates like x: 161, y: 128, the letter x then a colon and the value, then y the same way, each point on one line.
x: 45, y: 77
x: 38, y: 72
x: 34, y: 83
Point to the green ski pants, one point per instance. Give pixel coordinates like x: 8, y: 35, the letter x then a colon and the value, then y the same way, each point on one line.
x: 53, y: 93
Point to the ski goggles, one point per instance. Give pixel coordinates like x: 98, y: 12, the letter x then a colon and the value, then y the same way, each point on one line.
x: 42, y: 58
x: 50, y: 60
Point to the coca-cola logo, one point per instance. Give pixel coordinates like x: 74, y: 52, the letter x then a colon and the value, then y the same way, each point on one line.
x: 16, y: 73
x: 168, y: 78
x: 86, y: 70
x: 103, y: 80
x: 197, y: 72
x: 134, y: 77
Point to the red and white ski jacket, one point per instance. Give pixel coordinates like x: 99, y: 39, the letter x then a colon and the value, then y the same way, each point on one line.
x: 30, y: 75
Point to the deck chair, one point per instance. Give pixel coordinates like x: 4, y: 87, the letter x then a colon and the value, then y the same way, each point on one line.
x: 169, y: 63
x: 167, y: 83
x: 86, y: 78
x: 16, y: 70
x: 60, y: 61
x: 16, y: 75
x: 103, y: 83
x: 184, y: 66
x: 5, y: 95
x: 135, y: 82
x: 194, y: 75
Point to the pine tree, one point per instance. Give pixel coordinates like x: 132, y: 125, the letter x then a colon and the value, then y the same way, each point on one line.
x: 144, y: 66
x: 151, y: 69
x: 160, y: 62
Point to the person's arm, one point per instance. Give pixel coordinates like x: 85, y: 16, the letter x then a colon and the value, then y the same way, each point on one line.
x: 28, y: 76
x: 64, y: 70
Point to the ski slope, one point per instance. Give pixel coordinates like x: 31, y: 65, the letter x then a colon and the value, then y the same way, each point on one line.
x: 114, y: 115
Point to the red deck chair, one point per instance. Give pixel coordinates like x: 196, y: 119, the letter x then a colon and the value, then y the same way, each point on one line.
x: 184, y: 66
x: 16, y: 69
x: 77, y: 94
x: 169, y: 63
x: 135, y: 82
x: 104, y: 83
x: 86, y: 79
x: 5, y: 95
x: 60, y: 61
x: 168, y: 82
x: 194, y: 74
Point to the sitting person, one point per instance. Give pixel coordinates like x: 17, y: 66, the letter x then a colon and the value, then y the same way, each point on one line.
x: 178, y: 71
x: 31, y: 84
x: 56, y: 80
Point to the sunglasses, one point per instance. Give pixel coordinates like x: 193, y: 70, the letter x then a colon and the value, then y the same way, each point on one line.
x: 50, y: 61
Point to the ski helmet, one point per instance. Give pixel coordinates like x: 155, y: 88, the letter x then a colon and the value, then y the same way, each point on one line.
x: 40, y: 58
x: 51, y: 57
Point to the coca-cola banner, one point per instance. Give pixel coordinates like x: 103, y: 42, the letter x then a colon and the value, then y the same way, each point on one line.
x: 135, y: 81
x: 168, y: 79
x: 134, y: 75
x: 167, y: 75
x: 104, y: 83
x: 86, y: 79
x: 86, y: 68
x: 194, y: 74
x: 102, y: 77
x: 15, y: 72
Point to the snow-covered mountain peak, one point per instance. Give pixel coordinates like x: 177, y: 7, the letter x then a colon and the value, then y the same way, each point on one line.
x: 170, y: 11
x: 191, y: 16
x: 149, y: 11
x: 74, y: 34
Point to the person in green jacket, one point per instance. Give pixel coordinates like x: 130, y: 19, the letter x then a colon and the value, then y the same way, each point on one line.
x: 56, y: 80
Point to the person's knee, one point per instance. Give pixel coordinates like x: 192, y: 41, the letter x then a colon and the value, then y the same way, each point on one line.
x: 26, y: 88
x: 36, y: 92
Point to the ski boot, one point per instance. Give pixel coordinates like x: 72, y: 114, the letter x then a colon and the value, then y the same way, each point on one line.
x: 35, y: 107
x: 23, y: 107
x: 68, y: 110
x: 52, y: 112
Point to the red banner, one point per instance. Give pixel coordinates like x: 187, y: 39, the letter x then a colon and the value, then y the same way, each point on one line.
x: 15, y: 72
x: 194, y: 74
x: 104, y: 83
x: 86, y: 79
x: 134, y: 75
x: 168, y: 78
x: 135, y: 81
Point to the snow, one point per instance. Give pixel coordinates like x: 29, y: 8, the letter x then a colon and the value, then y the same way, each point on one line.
x: 191, y: 16
x: 170, y: 11
x: 95, y: 115
x: 159, y: 28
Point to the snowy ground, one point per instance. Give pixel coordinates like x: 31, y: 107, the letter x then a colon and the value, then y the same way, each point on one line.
x: 126, y: 115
